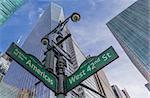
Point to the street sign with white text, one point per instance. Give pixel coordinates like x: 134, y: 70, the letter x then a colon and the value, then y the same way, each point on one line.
x: 33, y: 65
x: 89, y: 67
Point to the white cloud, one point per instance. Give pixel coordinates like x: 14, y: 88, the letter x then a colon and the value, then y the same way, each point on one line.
x: 18, y: 41
x: 94, y: 2
x: 31, y: 16
x: 41, y: 11
x: 32, y: 11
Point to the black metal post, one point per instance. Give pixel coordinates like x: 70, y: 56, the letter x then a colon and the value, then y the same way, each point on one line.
x: 60, y: 69
x: 61, y: 62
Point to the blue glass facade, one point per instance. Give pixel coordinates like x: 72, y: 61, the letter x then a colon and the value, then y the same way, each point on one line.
x: 7, y: 91
x: 7, y: 8
x: 132, y: 29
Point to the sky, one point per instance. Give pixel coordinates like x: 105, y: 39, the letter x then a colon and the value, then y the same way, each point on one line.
x: 91, y: 34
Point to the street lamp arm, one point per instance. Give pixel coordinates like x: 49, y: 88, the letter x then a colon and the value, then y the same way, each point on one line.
x: 74, y: 17
x: 58, y: 26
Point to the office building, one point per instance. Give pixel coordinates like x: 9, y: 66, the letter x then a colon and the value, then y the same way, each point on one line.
x: 25, y: 93
x: 120, y: 93
x: 103, y: 85
x: 7, y: 8
x: 4, y: 65
x: 132, y: 30
x: 21, y: 78
x: 7, y: 91
x: 126, y: 93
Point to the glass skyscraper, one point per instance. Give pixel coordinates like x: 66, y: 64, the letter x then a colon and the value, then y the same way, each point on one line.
x: 22, y: 79
x: 132, y: 30
x: 7, y: 91
x: 7, y: 8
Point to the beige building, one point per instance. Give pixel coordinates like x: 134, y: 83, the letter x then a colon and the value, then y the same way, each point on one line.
x: 104, y: 85
x: 120, y: 93
x: 126, y: 93
x: 24, y: 93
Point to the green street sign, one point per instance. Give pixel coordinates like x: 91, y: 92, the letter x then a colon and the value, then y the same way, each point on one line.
x: 33, y: 65
x: 89, y: 67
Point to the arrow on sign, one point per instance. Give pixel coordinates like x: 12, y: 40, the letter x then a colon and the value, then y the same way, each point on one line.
x: 33, y: 65
x: 89, y: 67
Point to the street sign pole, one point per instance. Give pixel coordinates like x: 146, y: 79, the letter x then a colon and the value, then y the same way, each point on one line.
x: 60, y: 69
x: 61, y: 77
x: 59, y: 53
